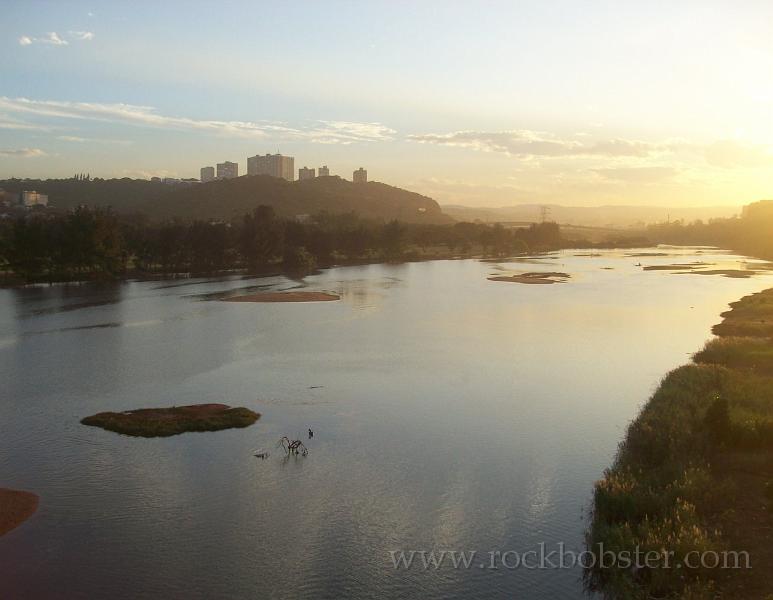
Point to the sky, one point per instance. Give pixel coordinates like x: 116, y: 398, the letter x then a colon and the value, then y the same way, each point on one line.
x: 578, y: 103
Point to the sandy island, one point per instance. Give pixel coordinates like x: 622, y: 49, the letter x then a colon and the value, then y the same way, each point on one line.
x: 285, y: 297
x: 16, y: 507
x: 700, y: 269
x: 533, y: 278
x: 735, y: 273
x: 163, y: 422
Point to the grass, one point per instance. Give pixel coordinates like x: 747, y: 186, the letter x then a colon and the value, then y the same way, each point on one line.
x: 752, y: 316
x: 694, y: 471
x: 164, y: 422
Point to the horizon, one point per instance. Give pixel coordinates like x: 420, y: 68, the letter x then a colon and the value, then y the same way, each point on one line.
x: 484, y: 109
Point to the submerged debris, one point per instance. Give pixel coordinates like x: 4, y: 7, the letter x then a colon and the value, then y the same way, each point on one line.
x: 293, y: 446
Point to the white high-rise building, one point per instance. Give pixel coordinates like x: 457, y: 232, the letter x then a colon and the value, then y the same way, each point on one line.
x: 324, y: 171
x: 227, y: 170
x: 360, y: 176
x: 207, y: 174
x: 275, y: 165
x: 33, y: 198
x: 305, y: 173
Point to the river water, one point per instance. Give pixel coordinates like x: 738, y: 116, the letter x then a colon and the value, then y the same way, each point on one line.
x: 450, y: 413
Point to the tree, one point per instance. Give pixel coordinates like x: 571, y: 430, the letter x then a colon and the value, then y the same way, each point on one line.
x: 261, y: 237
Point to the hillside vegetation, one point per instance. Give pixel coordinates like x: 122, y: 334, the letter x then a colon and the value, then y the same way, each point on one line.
x: 232, y: 198
x: 751, y: 233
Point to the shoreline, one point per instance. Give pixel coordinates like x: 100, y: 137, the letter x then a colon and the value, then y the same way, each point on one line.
x: 7, y: 280
x: 16, y: 506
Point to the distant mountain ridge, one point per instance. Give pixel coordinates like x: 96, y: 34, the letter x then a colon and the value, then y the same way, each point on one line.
x: 593, y: 216
x: 232, y: 198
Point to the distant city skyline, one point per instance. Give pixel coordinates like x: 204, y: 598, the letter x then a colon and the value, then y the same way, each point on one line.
x: 512, y: 104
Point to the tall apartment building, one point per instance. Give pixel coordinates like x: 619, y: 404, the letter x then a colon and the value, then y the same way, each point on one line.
x: 275, y: 165
x: 324, y: 171
x: 227, y: 170
x: 360, y: 176
x: 305, y: 173
x: 207, y: 174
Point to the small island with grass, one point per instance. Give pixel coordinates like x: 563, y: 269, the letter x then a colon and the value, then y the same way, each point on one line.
x: 164, y: 422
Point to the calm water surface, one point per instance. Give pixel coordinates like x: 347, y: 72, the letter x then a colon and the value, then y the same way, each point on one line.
x: 450, y: 412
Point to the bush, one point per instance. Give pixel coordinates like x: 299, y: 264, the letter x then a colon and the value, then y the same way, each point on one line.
x: 717, y: 421
x: 299, y: 259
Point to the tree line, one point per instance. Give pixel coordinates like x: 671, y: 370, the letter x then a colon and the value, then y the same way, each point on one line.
x: 751, y: 233
x: 90, y: 243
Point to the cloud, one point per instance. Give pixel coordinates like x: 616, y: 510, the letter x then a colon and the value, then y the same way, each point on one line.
x: 23, y: 153
x: 82, y: 140
x: 637, y: 174
x: 325, y: 132
x: 7, y: 123
x: 525, y: 143
x: 52, y: 38
x: 144, y: 174
x: 83, y: 36
x: 729, y: 154
x: 533, y: 145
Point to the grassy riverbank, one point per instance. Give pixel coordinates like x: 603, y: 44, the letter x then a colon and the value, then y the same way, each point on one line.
x: 695, y: 471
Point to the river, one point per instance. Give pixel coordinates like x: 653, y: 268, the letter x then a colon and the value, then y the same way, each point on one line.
x: 450, y: 413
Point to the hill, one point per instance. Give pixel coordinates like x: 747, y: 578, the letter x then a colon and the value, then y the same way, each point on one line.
x: 232, y: 198
x: 591, y: 216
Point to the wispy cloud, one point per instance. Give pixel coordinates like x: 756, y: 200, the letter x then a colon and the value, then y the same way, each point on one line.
x: 83, y: 36
x: 52, y: 38
x: 641, y: 175
x: 83, y: 140
x: 8, y: 123
x: 730, y: 154
x: 22, y: 153
x: 525, y: 143
x: 325, y: 132
x: 633, y: 154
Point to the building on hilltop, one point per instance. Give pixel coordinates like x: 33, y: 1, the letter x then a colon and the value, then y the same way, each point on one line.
x: 227, y: 170
x: 324, y: 171
x: 275, y: 165
x: 360, y: 176
x: 33, y: 198
x: 207, y: 174
x: 305, y: 173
